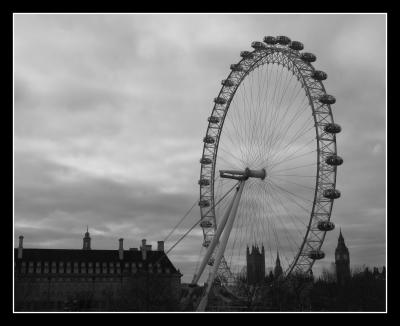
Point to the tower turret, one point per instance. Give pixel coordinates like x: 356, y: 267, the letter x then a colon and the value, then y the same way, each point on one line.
x: 342, y: 261
x: 255, y: 264
x: 278, y: 268
x: 86, y: 240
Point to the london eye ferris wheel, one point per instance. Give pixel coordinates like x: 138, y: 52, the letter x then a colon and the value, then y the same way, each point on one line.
x: 269, y: 161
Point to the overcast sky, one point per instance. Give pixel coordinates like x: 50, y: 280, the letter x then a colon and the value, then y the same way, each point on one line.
x: 110, y: 112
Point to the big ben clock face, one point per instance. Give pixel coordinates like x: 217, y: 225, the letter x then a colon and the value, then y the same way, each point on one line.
x: 345, y: 256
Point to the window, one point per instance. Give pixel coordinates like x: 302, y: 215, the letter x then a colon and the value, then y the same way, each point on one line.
x: 23, y: 267
x: 111, y: 266
x: 90, y: 268
x: 61, y: 267
x: 97, y: 268
x: 83, y: 267
x: 53, y: 267
x: 68, y: 267
x: 76, y: 268
x: 46, y: 267
x: 30, y: 267
x: 105, y: 268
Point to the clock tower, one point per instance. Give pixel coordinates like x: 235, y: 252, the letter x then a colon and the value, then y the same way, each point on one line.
x: 342, y: 261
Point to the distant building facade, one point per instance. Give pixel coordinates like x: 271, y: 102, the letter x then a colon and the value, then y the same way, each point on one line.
x: 255, y: 260
x: 95, y: 280
x: 342, y: 261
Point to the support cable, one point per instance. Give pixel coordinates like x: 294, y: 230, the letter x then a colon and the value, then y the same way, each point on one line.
x: 181, y: 220
x: 187, y: 232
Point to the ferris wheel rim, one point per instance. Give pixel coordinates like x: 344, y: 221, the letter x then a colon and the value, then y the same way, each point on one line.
x: 303, y: 71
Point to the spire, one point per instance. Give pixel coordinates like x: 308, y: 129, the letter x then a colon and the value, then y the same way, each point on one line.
x: 341, y: 239
x: 86, y: 240
x: 278, y: 261
x: 278, y: 268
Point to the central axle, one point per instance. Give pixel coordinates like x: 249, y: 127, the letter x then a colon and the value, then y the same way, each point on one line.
x: 243, y: 175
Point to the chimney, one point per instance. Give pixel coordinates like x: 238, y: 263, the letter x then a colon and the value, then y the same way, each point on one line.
x: 160, y: 245
x: 121, y: 249
x: 20, y: 246
x: 144, y: 249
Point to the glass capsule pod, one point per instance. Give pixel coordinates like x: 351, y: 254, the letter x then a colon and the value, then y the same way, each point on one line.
x: 213, y: 119
x: 205, y: 224
x: 332, y: 128
x: 308, y: 57
x: 296, y: 45
x: 205, y: 160
x: 316, y: 254
x: 228, y: 82
x: 204, y: 203
x: 334, y: 160
x: 211, y: 261
x: 284, y: 40
x: 326, y: 225
x: 236, y: 67
x: 204, y: 182
x: 319, y: 75
x: 270, y: 40
x: 331, y: 193
x: 257, y: 45
x: 209, y: 140
x: 246, y: 54
x: 327, y: 99
x: 219, y: 100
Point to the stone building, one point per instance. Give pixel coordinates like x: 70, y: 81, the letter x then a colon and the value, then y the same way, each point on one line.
x: 255, y: 261
x: 138, y: 279
x: 342, y: 261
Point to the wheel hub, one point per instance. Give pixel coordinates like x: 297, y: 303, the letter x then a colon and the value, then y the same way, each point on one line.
x: 243, y: 175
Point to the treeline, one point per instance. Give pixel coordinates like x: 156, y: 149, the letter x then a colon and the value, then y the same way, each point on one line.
x: 363, y: 291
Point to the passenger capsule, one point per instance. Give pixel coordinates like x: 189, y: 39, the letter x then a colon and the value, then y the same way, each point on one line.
x: 204, y: 182
x: 236, y: 67
x: 316, y: 254
x: 204, y: 203
x: 332, y: 128
x: 270, y: 40
x: 213, y: 119
x: 331, y: 193
x: 326, y: 226
x: 334, y: 160
x: 319, y: 75
x: 205, y: 160
x: 308, y: 57
x: 257, y: 45
x: 205, y: 224
x: 284, y: 40
x: 227, y: 82
x: 211, y: 261
x: 327, y: 99
x: 209, y: 140
x: 219, y: 100
x: 246, y: 54
x: 296, y: 45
